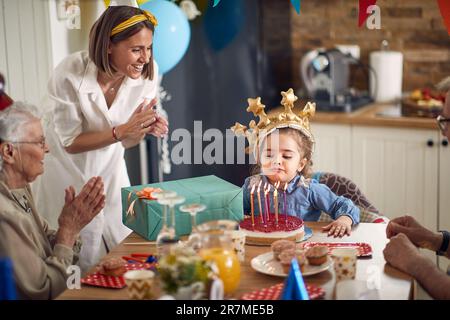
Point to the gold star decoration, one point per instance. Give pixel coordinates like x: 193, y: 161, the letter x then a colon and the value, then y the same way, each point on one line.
x: 288, y: 98
x: 267, y: 123
x: 238, y: 129
x: 255, y: 106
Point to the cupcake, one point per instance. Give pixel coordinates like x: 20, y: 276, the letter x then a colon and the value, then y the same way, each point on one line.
x: 285, y: 258
x: 281, y: 245
x: 112, y: 267
x: 301, y: 258
x: 317, y: 255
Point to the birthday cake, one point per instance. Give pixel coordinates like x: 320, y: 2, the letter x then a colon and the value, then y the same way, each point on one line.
x: 288, y: 228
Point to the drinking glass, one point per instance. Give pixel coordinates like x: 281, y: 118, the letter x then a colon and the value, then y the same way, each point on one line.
x: 168, y: 237
x: 194, y: 240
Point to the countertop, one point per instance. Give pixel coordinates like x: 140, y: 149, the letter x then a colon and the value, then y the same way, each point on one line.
x: 377, y: 114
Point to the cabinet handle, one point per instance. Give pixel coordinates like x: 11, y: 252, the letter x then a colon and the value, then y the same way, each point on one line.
x: 444, y: 142
x: 430, y: 143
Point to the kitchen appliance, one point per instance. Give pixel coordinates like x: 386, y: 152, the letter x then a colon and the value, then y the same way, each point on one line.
x: 326, y: 75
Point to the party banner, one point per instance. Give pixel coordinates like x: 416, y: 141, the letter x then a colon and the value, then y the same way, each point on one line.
x: 295, y: 3
x: 363, y: 14
x: 444, y: 6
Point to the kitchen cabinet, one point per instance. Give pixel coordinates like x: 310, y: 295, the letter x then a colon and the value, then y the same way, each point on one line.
x: 332, y: 148
x: 400, y: 170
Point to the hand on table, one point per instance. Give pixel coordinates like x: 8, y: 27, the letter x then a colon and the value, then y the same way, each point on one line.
x: 340, y: 227
x: 401, y: 253
x: 416, y: 233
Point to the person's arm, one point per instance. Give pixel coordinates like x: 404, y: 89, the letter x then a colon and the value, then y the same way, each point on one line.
x: 336, y: 206
x: 417, y: 234
x: 432, y: 279
x: 402, y: 254
x: 142, y: 121
x: 36, y: 277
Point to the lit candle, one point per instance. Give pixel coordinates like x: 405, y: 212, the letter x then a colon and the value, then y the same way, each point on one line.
x: 265, y: 205
x: 259, y: 202
x: 268, y: 202
x: 285, y: 204
x: 275, y: 201
x: 252, y: 205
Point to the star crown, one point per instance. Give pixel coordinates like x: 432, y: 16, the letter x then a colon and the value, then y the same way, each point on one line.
x: 255, y: 132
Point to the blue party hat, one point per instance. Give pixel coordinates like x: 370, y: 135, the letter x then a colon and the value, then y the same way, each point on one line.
x: 294, y: 287
x: 7, y: 287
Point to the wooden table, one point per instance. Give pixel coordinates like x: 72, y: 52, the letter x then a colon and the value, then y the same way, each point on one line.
x: 394, y: 284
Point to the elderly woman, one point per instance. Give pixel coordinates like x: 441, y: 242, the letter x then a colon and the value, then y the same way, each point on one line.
x: 407, y: 235
x: 40, y: 255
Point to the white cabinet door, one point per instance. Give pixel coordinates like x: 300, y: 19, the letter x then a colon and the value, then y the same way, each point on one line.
x: 444, y: 195
x: 333, y: 148
x: 398, y: 171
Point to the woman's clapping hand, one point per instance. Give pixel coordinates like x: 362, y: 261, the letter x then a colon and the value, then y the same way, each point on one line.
x: 79, y: 210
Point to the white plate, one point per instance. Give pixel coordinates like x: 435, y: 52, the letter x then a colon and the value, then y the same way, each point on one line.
x: 265, y: 263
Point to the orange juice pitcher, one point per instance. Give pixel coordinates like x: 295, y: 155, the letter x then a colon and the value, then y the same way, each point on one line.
x: 217, y: 246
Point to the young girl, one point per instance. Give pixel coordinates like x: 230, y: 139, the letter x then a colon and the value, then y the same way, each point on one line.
x: 285, y: 156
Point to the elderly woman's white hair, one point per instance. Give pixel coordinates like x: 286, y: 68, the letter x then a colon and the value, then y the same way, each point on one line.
x: 13, y: 121
x: 444, y: 85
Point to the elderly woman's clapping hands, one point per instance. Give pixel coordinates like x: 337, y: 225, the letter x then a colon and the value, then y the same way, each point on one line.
x: 79, y: 210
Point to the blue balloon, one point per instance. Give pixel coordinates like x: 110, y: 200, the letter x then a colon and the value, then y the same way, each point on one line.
x: 223, y: 23
x: 172, y: 34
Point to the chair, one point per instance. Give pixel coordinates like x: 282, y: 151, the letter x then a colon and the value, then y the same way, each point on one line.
x: 345, y: 187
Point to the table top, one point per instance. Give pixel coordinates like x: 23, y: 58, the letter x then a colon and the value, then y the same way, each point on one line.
x: 394, y: 284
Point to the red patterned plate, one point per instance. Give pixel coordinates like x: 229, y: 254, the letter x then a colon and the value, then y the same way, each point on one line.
x: 274, y: 293
x: 99, y: 280
x: 364, y: 249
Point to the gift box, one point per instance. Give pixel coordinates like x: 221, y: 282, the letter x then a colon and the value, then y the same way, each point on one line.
x: 223, y: 200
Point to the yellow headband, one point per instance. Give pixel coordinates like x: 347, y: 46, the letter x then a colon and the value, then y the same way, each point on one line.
x: 134, y: 20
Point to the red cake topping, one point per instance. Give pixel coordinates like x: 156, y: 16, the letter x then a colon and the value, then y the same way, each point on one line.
x: 293, y: 223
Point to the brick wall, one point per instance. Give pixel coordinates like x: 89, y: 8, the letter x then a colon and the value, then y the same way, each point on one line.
x: 414, y: 27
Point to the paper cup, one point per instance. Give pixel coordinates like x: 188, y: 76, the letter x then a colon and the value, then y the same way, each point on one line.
x: 238, y: 238
x: 345, y: 263
x: 140, y: 284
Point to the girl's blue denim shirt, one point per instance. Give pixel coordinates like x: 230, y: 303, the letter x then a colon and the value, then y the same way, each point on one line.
x: 305, y: 198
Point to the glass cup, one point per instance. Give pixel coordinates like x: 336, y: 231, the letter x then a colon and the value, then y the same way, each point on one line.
x: 217, y: 246
x: 140, y: 284
x: 345, y: 260
x: 168, y: 237
x: 194, y: 240
x: 159, y: 195
x: 193, y: 209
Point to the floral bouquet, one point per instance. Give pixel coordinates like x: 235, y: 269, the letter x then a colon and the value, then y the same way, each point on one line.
x: 184, y: 274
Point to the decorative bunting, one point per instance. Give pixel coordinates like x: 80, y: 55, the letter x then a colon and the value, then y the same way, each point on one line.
x: 444, y: 7
x: 295, y: 3
x: 363, y: 5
